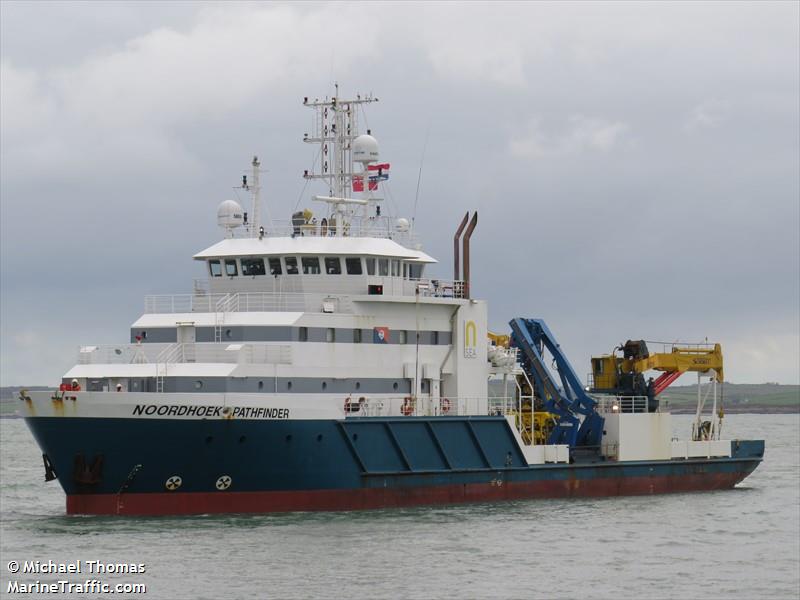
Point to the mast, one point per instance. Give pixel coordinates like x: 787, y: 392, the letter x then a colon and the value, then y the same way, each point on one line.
x: 255, y: 190
x: 335, y: 127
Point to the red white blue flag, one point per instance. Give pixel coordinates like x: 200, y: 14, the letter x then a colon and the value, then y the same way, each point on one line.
x: 376, y: 173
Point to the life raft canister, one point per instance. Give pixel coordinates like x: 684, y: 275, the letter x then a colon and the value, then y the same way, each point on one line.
x: 445, y: 405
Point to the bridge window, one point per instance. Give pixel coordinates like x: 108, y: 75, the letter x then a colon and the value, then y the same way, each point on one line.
x: 330, y: 334
x: 395, y: 268
x: 332, y: 265
x: 435, y: 338
x: 383, y: 267
x: 403, y: 336
x: 274, y: 266
x: 253, y: 266
x: 405, y: 270
x: 291, y: 265
x: 311, y: 265
x: 370, y: 266
x: 230, y: 267
x: 353, y: 264
x: 415, y: 270
x: 215, y: 268
x: 356, y: 336
x: 302, y: 334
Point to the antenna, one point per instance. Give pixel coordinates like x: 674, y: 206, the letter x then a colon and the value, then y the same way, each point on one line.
x: 419, y: 177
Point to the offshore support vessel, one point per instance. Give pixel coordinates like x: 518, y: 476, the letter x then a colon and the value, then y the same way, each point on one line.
x: 317, y: 366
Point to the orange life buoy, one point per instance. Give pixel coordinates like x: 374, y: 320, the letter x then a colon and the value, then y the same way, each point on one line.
x: 445, y: 405
x: 408, y: 407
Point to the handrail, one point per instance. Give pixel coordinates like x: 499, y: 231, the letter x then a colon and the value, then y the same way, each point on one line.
x: 290, y: 301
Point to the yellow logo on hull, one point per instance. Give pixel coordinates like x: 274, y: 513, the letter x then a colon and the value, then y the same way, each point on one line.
x: 470, y: 339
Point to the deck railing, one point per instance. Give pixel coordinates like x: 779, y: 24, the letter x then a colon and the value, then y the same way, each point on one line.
x: 200, y: 302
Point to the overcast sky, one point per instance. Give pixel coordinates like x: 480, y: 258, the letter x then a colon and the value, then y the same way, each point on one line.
x: 635, y: 166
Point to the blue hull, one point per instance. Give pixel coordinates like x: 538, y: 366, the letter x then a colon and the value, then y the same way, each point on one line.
x: 124, y: 465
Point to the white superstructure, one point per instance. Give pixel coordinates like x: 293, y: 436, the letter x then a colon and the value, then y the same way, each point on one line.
x: 332, y: 303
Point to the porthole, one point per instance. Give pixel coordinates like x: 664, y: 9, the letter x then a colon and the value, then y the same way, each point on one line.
x: 289, y: 438
x: 242, y: 439
x: 355, y: 437
x: 319, y: 437
x: 209, y: 439
x: 395, y: 386
x: 198, y: 384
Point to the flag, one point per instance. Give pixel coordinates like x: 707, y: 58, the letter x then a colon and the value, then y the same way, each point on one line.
x: 376, y: 173
x: 358, y: 184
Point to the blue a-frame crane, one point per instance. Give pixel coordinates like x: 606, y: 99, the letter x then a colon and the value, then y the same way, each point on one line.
x: 568, y: 401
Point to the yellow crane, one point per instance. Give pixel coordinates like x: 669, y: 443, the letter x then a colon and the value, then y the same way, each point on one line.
x: 624, y: 374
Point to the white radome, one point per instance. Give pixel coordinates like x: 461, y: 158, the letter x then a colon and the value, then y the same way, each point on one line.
x: 230, y: 214
x: 365, y: 149
x: 402, y: 225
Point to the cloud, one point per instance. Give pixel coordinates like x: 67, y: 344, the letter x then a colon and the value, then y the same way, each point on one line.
x: 126, y: 105
x: 582, y: 134
x: 124, y: 125
x: 707, y: 114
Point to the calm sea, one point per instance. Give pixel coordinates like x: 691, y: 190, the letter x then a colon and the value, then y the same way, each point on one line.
x: 743, y: 543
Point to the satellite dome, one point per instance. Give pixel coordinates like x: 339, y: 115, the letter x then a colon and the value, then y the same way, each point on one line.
x: 402, y: 225
x: 230, y: 214
x: 365, y: 149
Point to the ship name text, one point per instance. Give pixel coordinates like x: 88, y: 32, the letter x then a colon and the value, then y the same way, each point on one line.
x: 245, y: 412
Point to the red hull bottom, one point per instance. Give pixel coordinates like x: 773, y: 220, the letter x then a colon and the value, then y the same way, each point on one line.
x: 177, y: 503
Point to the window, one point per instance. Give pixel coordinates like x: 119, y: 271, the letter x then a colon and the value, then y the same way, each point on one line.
x: 383, y: 267
x: 302, y: 334
x: 230, y: 267
x: 395, y: 268
x: 198, y: 385
x: 311, y: 265
x: 435, y: 338
x: 415, y: 271
x: 274, y: 266
x: 353, y: 265
x: 403, y: 336
x: 330, y: 334
x: 253, y: 266
x: 291, y: 265
x: 356, y: 336
x: 405, y: 270
x: 370, y: 266
x: 332, y: 265
x: 215, y: 268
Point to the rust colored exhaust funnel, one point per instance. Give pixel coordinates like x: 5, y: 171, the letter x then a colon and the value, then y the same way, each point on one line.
x: 456, y: 239
x: 468, y: 235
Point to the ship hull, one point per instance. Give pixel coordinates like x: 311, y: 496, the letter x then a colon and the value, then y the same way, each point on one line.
x: 123, y: 466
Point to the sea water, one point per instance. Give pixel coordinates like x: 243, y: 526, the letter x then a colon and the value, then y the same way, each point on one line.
x: 740, y: 543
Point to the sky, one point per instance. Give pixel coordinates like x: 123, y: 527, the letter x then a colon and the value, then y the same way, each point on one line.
x: 635, y: 166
